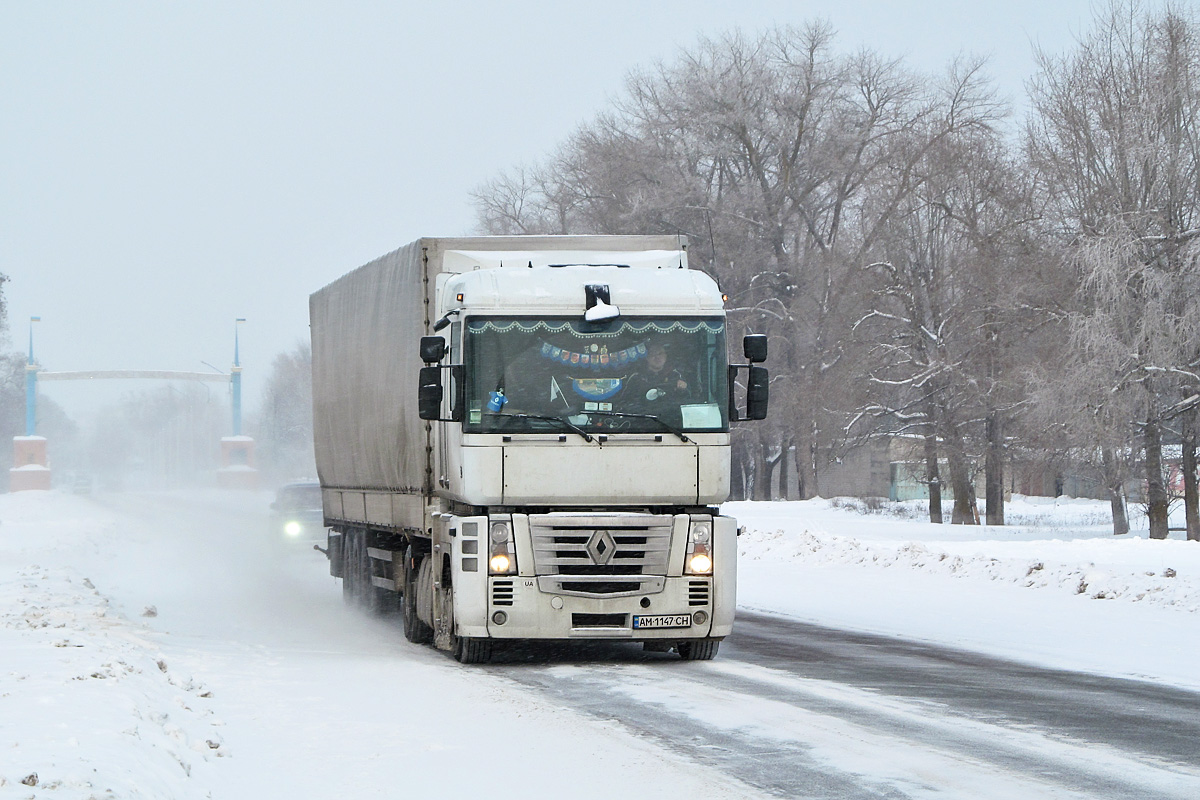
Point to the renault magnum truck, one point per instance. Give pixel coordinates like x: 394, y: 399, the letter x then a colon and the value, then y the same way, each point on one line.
x: 528, y: 438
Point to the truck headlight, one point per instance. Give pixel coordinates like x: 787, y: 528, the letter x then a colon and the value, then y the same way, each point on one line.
x: 292, y: 528
x: 502, y: 557
x: 698, y: 560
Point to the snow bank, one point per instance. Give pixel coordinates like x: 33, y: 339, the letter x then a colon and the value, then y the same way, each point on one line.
x: 1055, y: 586
x: 89, y: 707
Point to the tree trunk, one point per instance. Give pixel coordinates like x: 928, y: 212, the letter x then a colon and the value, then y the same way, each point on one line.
x: 762, y: 472
x: 960, y: 483
x: 806, y: 469
x: 932, y: 479
x: 1116, y: 492
x: 993, y: 467
x: 1191, y: 493
x: 773, y: 462
x: 785, y: 459
x: 1156, y: 488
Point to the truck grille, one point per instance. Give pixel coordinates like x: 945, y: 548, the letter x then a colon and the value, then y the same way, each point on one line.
x: 611, y: 555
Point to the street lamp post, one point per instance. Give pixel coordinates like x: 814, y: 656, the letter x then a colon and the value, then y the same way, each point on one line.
x: 31, y: 369
x: 236, y: 380
x: 237, y: 451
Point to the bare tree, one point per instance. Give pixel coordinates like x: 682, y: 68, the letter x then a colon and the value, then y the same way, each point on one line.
x: 285, y: 423
x: 1115, y: 131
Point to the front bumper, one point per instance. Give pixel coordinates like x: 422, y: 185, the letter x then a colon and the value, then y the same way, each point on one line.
x: 532, y: 614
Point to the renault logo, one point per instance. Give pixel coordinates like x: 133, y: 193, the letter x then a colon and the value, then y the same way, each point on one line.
x: 601, y: 547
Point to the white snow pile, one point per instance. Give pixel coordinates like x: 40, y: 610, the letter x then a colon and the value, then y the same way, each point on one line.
x: 1069, y: 567
x: 142, y: 723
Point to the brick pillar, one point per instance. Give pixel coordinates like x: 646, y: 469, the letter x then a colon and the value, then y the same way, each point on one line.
x: 237, y: 463
x: 30, y: 468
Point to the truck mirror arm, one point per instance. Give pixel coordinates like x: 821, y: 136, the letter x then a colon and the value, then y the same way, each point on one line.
x: 445, y: 320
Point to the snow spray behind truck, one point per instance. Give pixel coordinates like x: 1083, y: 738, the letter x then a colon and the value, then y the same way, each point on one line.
x: 526, y: 438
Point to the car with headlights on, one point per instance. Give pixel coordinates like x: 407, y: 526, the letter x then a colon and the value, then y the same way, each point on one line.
x: 296, y: 514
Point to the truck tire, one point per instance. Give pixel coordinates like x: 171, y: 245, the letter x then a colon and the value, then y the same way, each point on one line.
x: 468, y: 650
x: 698, y: 649
x: 350, y: 572
x: 415, y: 630
x: 357, y: 589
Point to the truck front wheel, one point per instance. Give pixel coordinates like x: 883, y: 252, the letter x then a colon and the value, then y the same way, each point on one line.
x: 415, y: 630
x: 698, y: 649
x: 468, y: 650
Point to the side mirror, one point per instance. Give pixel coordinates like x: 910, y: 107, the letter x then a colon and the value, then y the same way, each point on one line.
x: 433, y: 349
x: 755, y: 348
x: 758, y: 388
x: 429, y: 392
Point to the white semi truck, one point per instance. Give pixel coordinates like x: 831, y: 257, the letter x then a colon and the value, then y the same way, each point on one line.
x: 527, y: 438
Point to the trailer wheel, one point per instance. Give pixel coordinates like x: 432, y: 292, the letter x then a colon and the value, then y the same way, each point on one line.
x: 350, y: 571
x: 357, y: 588
x: 469, y: 650
x: 698, y: 649
x: 415, y: 630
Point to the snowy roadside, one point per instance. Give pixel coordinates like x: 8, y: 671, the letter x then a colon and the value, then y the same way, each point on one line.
x: 1053, y: 588
x: 252, y: 682
x: 89, y: 706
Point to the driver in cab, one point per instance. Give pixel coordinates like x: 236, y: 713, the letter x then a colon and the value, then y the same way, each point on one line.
x: 658, y: 379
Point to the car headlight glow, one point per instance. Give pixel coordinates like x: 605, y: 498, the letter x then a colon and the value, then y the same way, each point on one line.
x: 292, y: 528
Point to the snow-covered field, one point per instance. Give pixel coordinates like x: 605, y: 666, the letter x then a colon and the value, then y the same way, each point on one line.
x: 149, y: 653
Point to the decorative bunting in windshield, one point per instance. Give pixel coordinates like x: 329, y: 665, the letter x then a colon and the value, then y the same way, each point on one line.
x: 594, y: 357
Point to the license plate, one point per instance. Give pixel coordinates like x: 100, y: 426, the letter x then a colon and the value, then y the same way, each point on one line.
x: 664, y: 621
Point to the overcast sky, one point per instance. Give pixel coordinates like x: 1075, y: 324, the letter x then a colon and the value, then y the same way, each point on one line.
x: 168, y: 167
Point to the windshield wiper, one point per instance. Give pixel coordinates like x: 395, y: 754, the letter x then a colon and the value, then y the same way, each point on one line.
x: 666, y: 425
x: 587, y: 437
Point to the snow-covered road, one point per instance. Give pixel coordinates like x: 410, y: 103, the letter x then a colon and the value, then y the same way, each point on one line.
x: 251, y: 680
x: 797, y: 710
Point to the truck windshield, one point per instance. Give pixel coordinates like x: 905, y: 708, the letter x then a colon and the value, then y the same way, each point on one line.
x: 629, y: 375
